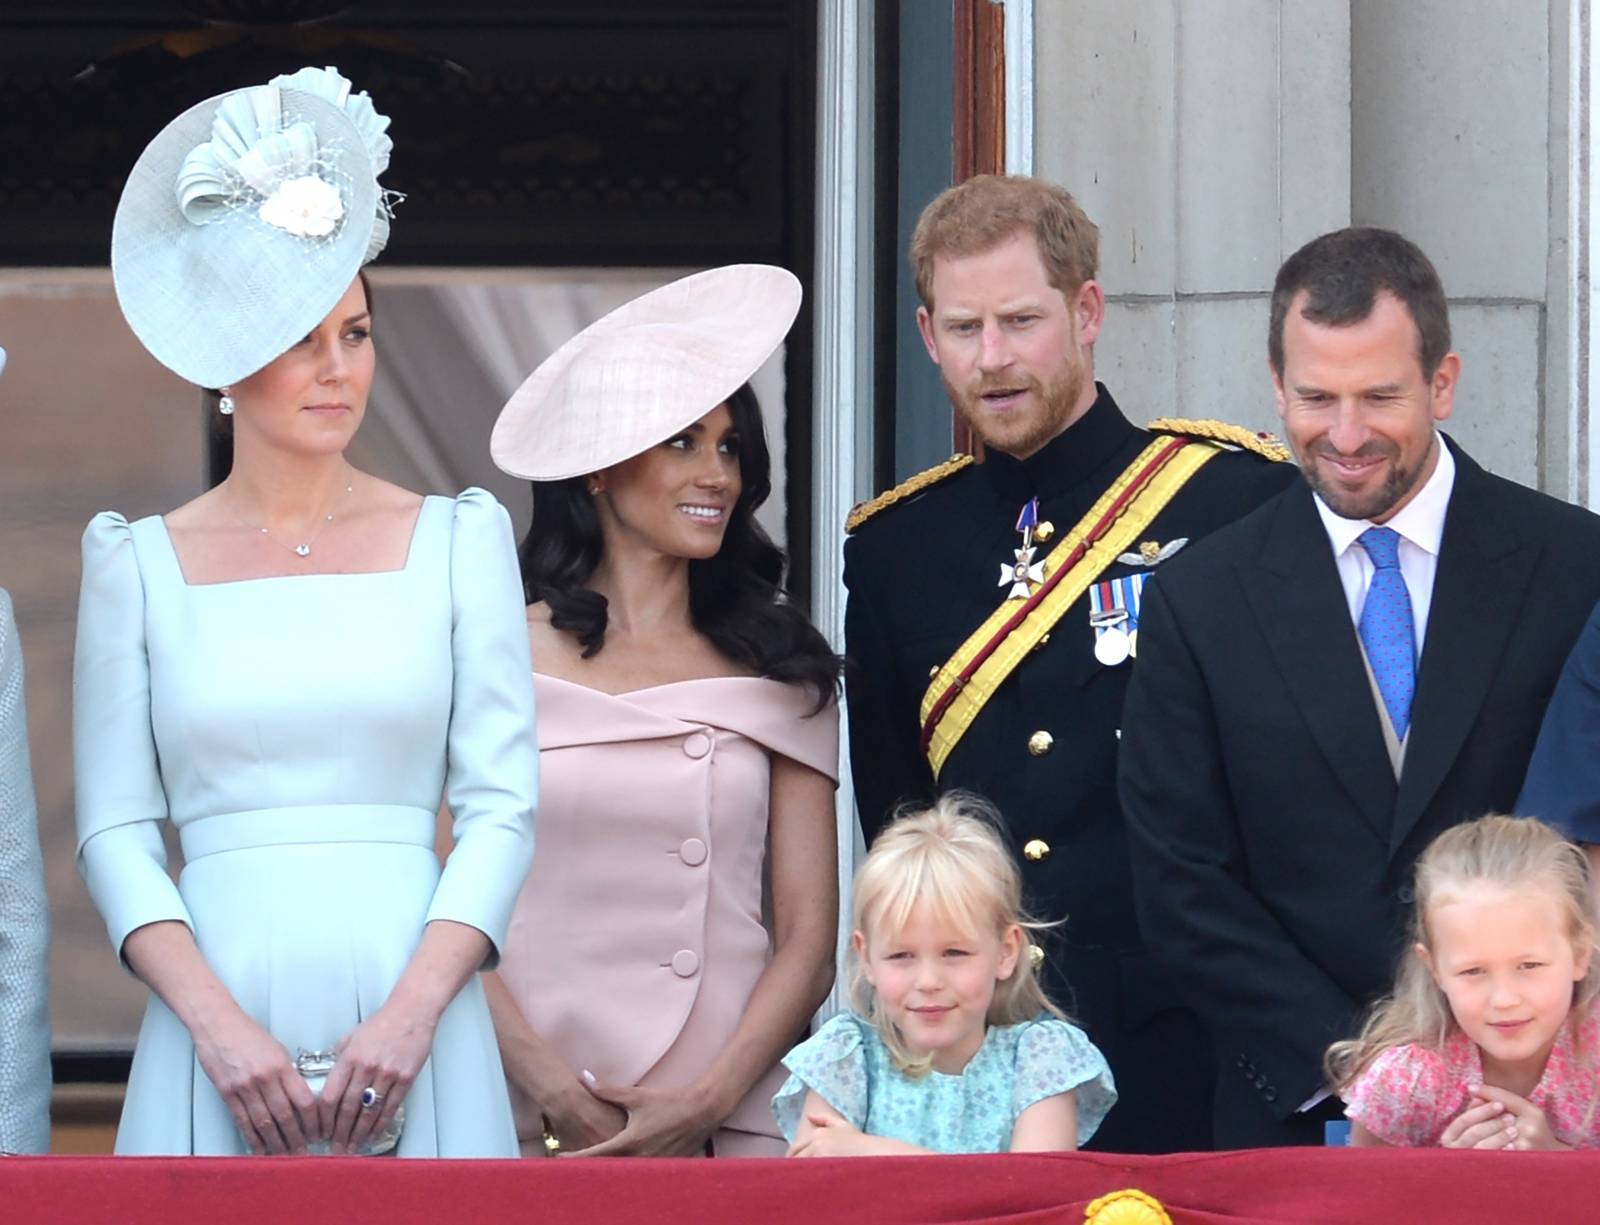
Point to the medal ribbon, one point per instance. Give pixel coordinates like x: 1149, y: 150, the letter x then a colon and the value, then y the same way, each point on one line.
x: 965, y: 681
x: 1028, y: 519
x: 1109, y: 597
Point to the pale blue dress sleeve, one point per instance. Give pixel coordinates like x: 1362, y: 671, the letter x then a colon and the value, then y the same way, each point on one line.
x: 116, y: 773
x: 24, y: 925
x: 832, y: 1063
x: 1055, y: 1057
x: 492, y: 779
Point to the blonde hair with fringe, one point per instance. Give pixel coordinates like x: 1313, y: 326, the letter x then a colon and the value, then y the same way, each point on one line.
x: 1514, y: 853
x: 950, y: 855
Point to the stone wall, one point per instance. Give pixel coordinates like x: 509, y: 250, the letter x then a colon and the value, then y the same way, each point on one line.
x: 1209, y: 140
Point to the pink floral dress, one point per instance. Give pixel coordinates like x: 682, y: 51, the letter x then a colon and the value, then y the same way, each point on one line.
x: 1409, y: 1094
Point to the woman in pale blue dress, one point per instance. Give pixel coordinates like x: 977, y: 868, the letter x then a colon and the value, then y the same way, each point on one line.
x: 293, y: 668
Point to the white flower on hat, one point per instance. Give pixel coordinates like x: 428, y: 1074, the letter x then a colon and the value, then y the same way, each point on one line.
x: 307, y: 207
x: 257, y: 147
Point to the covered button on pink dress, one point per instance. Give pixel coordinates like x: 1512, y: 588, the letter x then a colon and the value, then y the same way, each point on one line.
x: 637, y: 939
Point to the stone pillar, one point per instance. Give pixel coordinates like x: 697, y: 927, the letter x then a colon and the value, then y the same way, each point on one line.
x: 1210, y: 140
x: 1207, y: 142
x: 1450, y: 110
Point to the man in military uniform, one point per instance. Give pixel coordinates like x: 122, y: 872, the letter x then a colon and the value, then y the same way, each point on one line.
x: 993, y: 611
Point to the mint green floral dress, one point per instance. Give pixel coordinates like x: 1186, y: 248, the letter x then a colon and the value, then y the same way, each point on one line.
x: 849, y: 1067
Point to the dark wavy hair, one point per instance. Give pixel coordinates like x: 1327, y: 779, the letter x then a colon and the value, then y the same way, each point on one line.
x: 736, y: 598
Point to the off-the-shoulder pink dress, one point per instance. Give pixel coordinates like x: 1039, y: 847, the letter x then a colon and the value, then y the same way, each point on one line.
x: 637, y: 939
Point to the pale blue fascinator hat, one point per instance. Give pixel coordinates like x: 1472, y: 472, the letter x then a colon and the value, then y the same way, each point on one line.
x: 245, y: 221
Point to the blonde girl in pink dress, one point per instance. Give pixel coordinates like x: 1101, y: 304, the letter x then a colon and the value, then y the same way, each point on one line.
x: 1489, y: 1040
x: 677, y: 931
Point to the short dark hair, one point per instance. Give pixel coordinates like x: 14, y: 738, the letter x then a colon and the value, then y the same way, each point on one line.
x: 1343, y: 273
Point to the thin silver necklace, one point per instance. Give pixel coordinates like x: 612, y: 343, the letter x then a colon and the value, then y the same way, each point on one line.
x: 303, y: 549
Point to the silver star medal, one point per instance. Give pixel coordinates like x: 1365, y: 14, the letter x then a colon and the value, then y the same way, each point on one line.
x: 1024, y: 571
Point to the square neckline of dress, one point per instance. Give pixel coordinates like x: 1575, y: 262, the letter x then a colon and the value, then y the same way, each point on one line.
x: 411, y: 552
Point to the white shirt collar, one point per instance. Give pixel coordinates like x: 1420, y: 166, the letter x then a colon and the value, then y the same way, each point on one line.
x: 1421, y: 520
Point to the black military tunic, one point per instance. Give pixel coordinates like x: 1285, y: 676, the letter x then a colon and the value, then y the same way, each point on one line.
x: 922, y: 576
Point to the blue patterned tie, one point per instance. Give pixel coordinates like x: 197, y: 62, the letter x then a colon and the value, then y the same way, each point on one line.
x: 1387, y: 631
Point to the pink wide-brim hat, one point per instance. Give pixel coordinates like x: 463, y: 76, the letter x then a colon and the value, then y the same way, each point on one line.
x: 652, y: 367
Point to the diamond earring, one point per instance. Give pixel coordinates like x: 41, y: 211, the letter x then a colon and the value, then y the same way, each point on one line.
x: 225, y: 404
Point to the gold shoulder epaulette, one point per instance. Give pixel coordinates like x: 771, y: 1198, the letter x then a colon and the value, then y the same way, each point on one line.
x: 1262, y: 443
x: 912, y: 484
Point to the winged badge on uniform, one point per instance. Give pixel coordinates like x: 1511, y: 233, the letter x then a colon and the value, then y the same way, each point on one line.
x: 1152, y: 553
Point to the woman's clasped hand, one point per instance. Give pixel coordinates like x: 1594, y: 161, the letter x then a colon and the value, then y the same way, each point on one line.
x: 579, y: 1120
x: 270, y: 1102
x: 378, y: 1061
x: 657, y: 1122
x: 273, y: 1105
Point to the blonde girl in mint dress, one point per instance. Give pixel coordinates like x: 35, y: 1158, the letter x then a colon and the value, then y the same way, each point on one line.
x: 952, y: 1047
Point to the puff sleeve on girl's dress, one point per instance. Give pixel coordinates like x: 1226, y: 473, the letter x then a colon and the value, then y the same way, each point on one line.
x: 1053, y: 1057
x: 1409, y: 1094
x: 831, y: 1063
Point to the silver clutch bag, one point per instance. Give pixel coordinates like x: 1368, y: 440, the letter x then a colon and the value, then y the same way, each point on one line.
x: 315, y: 1066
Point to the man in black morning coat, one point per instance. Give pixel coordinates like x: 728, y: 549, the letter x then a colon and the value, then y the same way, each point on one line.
x: 1011, y: 311
x: 1282, y: 769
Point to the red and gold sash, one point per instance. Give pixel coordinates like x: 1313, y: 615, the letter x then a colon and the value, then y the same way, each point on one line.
x: 965, y: 681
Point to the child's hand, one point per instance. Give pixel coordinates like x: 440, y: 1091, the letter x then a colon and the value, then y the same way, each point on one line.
x: 824, y: 1132
x: 1484, y: 1125
x: 830, y: 1136
x: 1529, y: 1129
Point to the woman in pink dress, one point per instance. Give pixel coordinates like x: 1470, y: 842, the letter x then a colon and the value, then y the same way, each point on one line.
x: 677, y: 930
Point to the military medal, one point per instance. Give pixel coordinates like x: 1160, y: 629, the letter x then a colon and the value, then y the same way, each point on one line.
x: 1152, y: 553
x: 1111, y: 645
x: 1114, y: 614
x: 1023, y: 572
